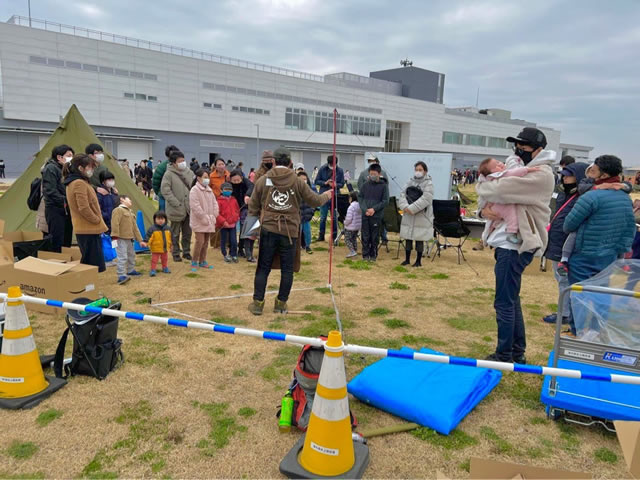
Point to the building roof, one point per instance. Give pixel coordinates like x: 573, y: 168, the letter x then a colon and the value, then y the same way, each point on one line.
x: 573, y: 146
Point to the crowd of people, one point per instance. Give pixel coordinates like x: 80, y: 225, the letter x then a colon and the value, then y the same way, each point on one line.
x: 592, y: 224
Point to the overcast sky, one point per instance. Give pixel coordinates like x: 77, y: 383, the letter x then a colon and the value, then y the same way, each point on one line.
x: 568, y: 64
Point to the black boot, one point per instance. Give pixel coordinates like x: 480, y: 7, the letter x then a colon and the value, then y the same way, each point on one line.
x: 418, y: 260
x: 407, y: 259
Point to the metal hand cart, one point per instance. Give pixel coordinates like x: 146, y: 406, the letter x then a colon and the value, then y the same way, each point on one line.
x: 588, y: 402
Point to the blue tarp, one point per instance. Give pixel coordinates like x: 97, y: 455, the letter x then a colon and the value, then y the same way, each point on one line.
x: 434, y: 395
x: 140, y: 222
x: 612, y: 401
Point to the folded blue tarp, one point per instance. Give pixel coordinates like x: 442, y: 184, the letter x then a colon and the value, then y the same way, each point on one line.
x: 434, y: 395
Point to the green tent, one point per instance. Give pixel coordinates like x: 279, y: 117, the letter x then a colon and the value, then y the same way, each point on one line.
x: 75, y: 132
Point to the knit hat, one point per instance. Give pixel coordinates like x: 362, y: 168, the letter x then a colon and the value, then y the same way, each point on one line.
x: 226, y: 186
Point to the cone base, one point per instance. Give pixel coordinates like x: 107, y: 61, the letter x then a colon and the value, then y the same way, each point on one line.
x: 290, y: 467
x: 31, y: 401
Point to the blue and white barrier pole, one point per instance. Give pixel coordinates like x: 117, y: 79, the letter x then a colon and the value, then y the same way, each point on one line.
x: 378, y: 352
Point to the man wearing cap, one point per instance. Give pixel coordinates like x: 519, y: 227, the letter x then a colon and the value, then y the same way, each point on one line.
x: 276, y: 200
x: 363, y: 177
x: 266, y: 165
x: 324, y: 180
x: 531, y: 195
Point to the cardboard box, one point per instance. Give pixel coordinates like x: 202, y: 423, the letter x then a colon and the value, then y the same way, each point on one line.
x: 68, y: 255
x: 482, y: 468
x: 629, y: 438
x: 6, y: 265
x: 9, y: 239
x: 52, y: 279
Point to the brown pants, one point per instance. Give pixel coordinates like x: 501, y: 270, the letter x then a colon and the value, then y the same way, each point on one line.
x: 200, y: 249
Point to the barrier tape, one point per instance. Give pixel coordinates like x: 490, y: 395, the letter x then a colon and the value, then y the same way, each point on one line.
x: 357, y: 349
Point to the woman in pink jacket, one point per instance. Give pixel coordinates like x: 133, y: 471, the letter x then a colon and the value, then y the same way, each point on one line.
x: 204, y: 210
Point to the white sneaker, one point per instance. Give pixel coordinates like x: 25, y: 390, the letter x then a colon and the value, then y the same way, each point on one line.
x: 352, y: 254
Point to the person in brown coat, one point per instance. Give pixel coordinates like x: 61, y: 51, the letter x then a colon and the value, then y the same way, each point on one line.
x: 85, y: 209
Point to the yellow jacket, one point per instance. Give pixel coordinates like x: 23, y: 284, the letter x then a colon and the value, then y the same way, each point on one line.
x: 159, y: 238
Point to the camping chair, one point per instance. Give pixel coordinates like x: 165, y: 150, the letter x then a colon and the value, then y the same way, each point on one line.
x: 447, y: 224
x: 342, y: 205
x: 392, y: 221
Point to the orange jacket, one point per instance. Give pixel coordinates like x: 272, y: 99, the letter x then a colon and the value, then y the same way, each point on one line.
x: 216, y: 180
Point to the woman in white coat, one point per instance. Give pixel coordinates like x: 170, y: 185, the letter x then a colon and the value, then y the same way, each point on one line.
x: 417, y: 219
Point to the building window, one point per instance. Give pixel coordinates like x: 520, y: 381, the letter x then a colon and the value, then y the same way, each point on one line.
x: 217, y: 106
x: 107, y: 70
x: 54, y: 62
x: 314, y: 121
x: 89, y: 68
x: 129, y: 95
x: 136, y: 74
x: 495, y: 142
x: 152, y: 98
x: 74, y: 65
x: 38, y: 60
x: 141, y: 96
x: 392, y: 137
x: 452, y: 137
x: 257, y: 111
x: 150, y: 76
x: 475, y: 140
x: 207, y: 105
x: 122, y: 73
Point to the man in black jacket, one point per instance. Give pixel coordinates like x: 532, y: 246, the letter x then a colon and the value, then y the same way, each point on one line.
x: 55, y: 200
x: 570, y: 177
x: 373, y: 198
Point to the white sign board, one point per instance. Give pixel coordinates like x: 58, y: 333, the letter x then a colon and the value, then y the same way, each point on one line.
x: 400, y: 168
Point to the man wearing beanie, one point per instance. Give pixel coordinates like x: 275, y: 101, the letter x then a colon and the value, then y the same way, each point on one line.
x: 276, y: 200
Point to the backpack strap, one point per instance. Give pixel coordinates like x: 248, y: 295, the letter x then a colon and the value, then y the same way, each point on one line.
x: 58, y: 361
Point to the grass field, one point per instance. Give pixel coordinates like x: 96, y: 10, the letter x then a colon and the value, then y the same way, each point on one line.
x: 195, y: 404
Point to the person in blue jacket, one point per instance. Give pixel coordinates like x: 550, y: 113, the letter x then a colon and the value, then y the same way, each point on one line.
x: 604, y: 222
x: 108, y: 197
x: 324, y: 180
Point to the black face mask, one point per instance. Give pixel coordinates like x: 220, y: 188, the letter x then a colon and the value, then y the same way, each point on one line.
x: 570, y: 188
x: 524, y: 156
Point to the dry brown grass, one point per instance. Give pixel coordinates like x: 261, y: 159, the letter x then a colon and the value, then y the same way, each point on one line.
x: 171, y: 368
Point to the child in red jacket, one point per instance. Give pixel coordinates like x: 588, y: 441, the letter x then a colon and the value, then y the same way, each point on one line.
x: 226, y: 222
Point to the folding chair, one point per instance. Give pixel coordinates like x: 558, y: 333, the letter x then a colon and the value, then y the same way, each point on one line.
x: 447, y: 223
x: 392, y: 221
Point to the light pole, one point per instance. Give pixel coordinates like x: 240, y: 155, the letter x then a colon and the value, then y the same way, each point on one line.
x: 257, y: 125
x: 29, y: 6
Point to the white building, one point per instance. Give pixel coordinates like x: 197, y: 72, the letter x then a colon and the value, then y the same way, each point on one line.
x: 140, y: 96
x: 579, y: 152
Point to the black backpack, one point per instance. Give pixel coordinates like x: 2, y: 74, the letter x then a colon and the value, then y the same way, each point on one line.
x: 96, y: 349
x: 413, y: 194
x: 35, y: 194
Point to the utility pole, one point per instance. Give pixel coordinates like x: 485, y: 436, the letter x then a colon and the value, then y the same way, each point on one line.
x: 257, y: 125
x: 29, y: 5
x: 478, y: 97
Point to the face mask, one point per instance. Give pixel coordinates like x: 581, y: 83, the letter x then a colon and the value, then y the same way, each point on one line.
x: 419, y: 174
x: 526, y: 157
x: 68, y: 159
x: 205, y: 181
x: 182, y: 165
x: 99, y: 157
x: 88, y: 172
x: 226, y: 193
x: 110, y: 183
x: 570, y: 188
x: 330, y: 167
x: 374, y: 179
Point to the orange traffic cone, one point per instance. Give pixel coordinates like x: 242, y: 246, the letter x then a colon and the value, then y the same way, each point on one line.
x: 22, y: 382
x: 328, y: 449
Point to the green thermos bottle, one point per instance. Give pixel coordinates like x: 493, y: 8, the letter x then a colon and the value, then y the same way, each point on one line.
x: 286, y: 413
x: 101, y: 303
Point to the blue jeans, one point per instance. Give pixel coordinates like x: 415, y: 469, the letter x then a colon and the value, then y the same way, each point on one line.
x: 228, y: 235
x: 324, y: 213
x: 509, y: 266
x: 161, y: 203
x: 306, y: 234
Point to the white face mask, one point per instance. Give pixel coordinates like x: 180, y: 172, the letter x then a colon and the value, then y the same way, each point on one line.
x: 68, y: 159
x: 99, y: 157
x: 205, y: 181
x: 88, y: 172
x: 110, y: 183
x: 419, y: 174
x: 182, y: 165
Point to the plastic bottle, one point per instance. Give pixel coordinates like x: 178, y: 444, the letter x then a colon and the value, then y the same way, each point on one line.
x: 100, y: 303
x: 286, y: 413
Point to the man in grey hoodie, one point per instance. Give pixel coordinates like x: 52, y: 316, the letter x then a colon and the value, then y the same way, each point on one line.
x: 531, y: 195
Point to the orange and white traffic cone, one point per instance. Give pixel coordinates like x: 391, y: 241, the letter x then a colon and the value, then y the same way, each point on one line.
x: 328, y: 449
x: 22, y: 381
